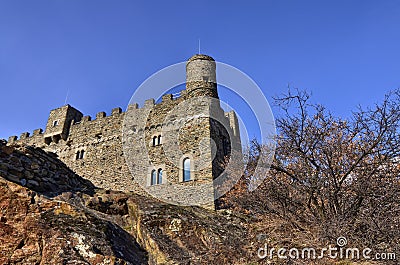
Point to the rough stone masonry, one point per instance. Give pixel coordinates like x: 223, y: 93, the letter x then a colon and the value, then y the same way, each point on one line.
x: 177, y: 152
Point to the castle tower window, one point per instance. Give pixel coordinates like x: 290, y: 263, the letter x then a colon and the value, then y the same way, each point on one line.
x: 159, y: 176
x: 47, y: 140
x: 159, y: 139
x: 186, y: 169
x: 82, y: 154
x: 154, y: 140
x: 56, y: 138
x: 55, y: 123
x: 153, y: 179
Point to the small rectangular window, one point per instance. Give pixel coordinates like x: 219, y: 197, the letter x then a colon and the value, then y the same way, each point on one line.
x: 55, y: 123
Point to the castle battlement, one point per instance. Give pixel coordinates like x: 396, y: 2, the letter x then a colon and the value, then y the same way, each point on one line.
x: 94, y: 148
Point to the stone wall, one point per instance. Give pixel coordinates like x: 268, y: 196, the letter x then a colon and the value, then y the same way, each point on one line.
x: 100, y: 140
x: 38, y: 170
x: 201, y: 76
x: 184, y: 132
x: 117, y: 151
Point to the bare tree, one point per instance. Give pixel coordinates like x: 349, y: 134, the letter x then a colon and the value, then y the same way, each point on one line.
x: 341, y: 175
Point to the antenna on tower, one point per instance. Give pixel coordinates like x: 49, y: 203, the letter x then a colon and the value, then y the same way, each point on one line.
x: 66, y: 97
x: 199, y: 46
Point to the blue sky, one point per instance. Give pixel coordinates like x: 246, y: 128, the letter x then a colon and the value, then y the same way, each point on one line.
x: 345, y: 52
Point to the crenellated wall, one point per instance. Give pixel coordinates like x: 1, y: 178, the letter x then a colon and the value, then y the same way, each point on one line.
x: 192, y: 125
x: 93, y: 147
x: 100, y: 140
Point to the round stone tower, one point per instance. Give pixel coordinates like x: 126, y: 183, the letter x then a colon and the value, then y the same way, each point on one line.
x: 201, y: 77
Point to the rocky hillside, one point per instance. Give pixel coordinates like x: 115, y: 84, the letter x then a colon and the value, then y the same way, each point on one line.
x: 50, y: 215
x: 38, y: 170
x: 38, y: 230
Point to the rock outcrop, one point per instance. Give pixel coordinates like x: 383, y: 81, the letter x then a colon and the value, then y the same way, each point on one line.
x: 180, y: 235
x: 50, y: 215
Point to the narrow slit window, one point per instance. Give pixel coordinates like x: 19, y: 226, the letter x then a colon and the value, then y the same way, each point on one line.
x: 186, y: 169
x: 82, y: 154
x: 159, y: 139
x: 78, y: 155
x: 154, y: 140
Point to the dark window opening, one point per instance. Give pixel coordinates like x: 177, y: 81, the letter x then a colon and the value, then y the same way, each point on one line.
x: 157, y: 140
x: 80, y: 154
x: 47, y: 140
x: 56, y: 138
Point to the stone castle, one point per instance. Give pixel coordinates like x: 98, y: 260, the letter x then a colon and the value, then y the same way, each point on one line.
x: 165, y: 148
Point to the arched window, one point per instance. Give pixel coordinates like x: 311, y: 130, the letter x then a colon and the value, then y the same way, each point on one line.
x: 159, y: 139
x: 186, y: 169
x: 80, y: 154
x: 159, y: 176
x: 154, y: 140
x: 153, y: 179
